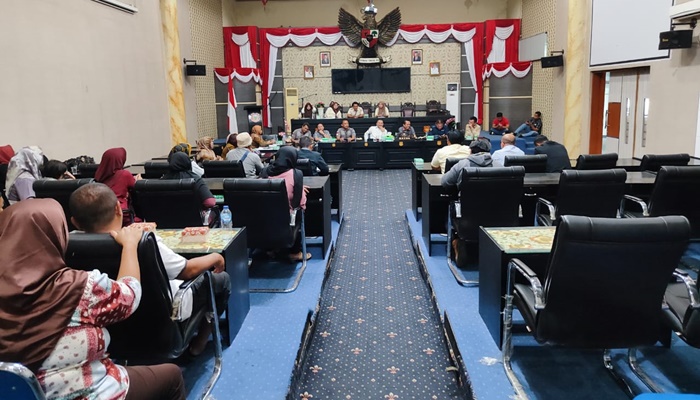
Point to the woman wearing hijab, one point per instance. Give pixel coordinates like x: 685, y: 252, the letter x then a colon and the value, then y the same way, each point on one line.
x: 53, y: 317
x: 24, y: 168
x: 111, y: 172
x: 284, y: 167
x: 258, y: 141
x: 206, y: 152
x: 181, y: 168
x: 187, y: 149
x: 230, y: 144
x: 382, y: 111
x: 308, y: 112
x: 6, y: 153
x: 333, y: 111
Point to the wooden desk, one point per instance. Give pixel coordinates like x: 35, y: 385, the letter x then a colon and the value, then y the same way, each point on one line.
x: 417, y: 171
x: 497, y: 246
x: 379, y: 155
x: 233, y: 246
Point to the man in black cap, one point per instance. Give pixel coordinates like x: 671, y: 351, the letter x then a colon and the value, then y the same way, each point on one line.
x: 557, y: 156
x: 480, y: 158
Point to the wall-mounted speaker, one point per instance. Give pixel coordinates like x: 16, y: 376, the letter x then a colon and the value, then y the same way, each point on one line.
x: 553, y: 61
x: 682, y: 39
x: 196, y: 70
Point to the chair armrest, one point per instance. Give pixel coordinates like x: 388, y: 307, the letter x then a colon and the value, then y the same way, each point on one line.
x: 690, y: 286
x: 176, y: 314
x: 550, y: 206
x: 645, y: 209
x: 293, y: 216
x: 458, y: 209
x: 535, y: 284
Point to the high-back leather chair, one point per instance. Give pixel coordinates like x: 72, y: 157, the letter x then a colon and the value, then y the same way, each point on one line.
x: 596, y: 161
x: 158, y: 314
x: 408, y: 109
x: 304, y: 164
x: 3, y: 176
x: 532, y: 163
x: 489, y: 197
x: 224, y: 169
x: 451, y: 162
x: 18, y: 382
x: 170, y: 203
x: 367, y: 108
x: 603, y: 287
x: 682, y: 313
x: 673, y: 194
x: 654, y: 162
x: 433, y: 107
x: 588, y: 193
x: 60, y: 191
x: 262, y: 206
x: 155, y: 169
x: 87, y: 170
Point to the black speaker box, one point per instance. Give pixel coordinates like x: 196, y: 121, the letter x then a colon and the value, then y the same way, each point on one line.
x: 682, y: 39
x: 553, y: 61
x: 196, y: 70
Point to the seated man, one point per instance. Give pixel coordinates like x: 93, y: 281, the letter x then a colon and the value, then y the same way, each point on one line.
x: 345, y: 133
x: 306, y: 150
x: 507, y: 149
x: 244, y: 152
x: 320, y: 133
x: 406, y: 131
x: 557, y: 156
x: 298, y: 133
x: 377, y: 132
x: 439, y: 129
x: 531, y: 127
x: 95, y: 209
x: 500, y: 125
x: 454, y: 148
x: 472, y: 130
x: 356, y: 111
x: 480, y: 158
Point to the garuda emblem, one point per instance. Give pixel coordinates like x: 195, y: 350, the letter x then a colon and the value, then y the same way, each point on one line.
x: 369, y: 33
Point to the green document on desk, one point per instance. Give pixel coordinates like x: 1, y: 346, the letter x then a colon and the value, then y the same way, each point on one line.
x: 217, y: 240
x: 524, y: 239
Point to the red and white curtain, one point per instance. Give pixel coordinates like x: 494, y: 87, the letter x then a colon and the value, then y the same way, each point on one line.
x: 502, y: 37
x: 499, y: 70
x: 227, y: 76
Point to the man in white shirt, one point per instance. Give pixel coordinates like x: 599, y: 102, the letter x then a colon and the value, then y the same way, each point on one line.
x: 453, y: 149
x: 377, y: 132
x: 356, y: 111
x: 95, y: 209
x: 507, y: 149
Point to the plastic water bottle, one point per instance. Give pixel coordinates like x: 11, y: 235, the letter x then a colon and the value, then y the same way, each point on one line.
x: 226, y: 218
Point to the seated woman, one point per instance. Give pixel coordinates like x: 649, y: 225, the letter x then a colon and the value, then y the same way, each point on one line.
x: 382, y: 111
x: 230, y: 144
x: 284, y: 167
x: 256, y: 134
x: 24, y: 168
x: 56, y: 170
x: 205, y: 145
x: 181, y: 168
x: 308, y: 111
x: 333, y: 111
x: 111, y: 172
x: 53, y: 319
x: 187, y: 149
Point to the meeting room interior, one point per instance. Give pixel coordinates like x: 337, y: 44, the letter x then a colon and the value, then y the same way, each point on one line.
x: 350, y: 199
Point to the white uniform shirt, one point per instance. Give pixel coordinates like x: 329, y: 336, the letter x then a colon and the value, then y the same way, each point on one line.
x: 499, y: 156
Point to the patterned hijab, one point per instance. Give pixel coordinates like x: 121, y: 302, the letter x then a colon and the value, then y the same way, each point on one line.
x: 206, y: 148
x: 38, y: 293
x: 28, y: 160
x: 112, y: 161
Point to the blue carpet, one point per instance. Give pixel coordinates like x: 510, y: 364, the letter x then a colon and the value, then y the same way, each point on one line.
x: 265, y: 273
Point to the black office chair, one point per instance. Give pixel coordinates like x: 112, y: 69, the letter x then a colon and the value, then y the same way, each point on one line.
x: 60, y: 191
x: 262, y: 206
x: 489, y: 197
x: 433, y: 107
x: 654, y: 162
x: 170, y: 203
x: 18, y: 382
x: 682, y: 310
x: 588, y: 193
x: 451, y: 162
x: 305, y: 166
x: 3, y: 176
x: 159, y: 313
x: 596, y: 161
x: 604, y: 287
x: 408, y: 109
x: 532, y: 163
x: 224, y: 169
x: 367, y: 108
x: 155, y: 170
x: 87, y: 170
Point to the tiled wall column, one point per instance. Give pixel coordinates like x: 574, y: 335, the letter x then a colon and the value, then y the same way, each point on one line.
x: 173, y: 70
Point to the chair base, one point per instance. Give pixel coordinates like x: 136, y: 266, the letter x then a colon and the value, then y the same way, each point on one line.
x: 450, y: 263
x: 218, y: 353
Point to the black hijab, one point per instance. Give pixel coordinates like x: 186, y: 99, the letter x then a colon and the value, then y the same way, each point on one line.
x: 285, y: 160
x: 180, y: 167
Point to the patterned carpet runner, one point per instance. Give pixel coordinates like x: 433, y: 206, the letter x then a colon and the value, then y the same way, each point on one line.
x: 378, y: 335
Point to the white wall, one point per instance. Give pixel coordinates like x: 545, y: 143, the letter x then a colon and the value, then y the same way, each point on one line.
x: 79, y: 77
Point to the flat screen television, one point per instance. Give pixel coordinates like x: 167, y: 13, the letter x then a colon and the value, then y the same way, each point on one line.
x: 371, y: 80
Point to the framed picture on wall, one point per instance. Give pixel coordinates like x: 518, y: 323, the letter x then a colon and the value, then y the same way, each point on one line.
x: 308, y: 72
x: 325, y: 58
x: 434, y: 68
x: 416, y: 56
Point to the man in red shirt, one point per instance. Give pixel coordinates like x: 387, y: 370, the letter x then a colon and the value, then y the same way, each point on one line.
x: 500, y: 125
